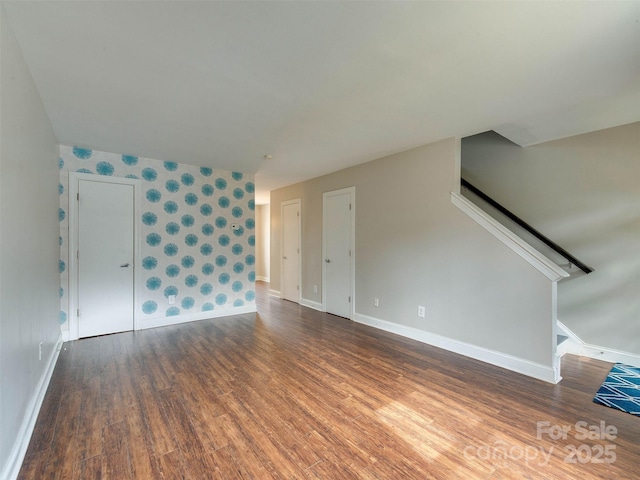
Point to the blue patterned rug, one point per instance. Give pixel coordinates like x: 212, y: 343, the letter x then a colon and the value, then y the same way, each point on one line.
x: 621, y: 389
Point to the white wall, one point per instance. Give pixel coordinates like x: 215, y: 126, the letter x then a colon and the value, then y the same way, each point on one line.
x: 583, y: 192
x: 29, y: 281
x: 413, y: 247
x: 263, y: 242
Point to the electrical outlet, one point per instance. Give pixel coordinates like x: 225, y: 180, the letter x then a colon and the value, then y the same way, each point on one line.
x: 172, y: 299
x: 421, y: 311
x: 376, y: 302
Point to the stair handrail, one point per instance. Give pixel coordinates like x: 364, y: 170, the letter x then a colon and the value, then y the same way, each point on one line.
x: 550, y: 243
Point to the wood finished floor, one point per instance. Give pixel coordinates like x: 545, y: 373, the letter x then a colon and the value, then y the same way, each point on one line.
x: 294, y: 393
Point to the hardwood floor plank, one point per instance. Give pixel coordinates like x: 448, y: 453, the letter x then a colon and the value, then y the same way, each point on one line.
x: 116, y: 456
x: 61, y: 461
x: 170, y: 465
x: 204, y: 408
x: 111, y: 392
x: 226, y: 464
x: 292, y: 393
x: 91, y: 418
x: 195, y: 459
x: 255, y: 447
x: 143, y: 461
x: 158, y: 432
x: 262, y: 407
x: 89, y: 469
x: 34, y: 465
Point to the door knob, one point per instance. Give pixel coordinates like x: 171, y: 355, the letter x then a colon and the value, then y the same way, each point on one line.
x: 327, y: 260
x: 284, y: 257
x: 126, y: 265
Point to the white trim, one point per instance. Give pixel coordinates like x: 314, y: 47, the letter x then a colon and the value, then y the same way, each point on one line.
x: 19, y: 450
x: 352, y: 192
x: 311, y: 304
x: 515, y: 364
x: 275, y: 293
x: 567, y: 346
x: 579, y: 347
x: 194, y: 317
x: 295, y: 201
x: 65, y: 335
x: 260, y: 278
x: 556, y: 356
x: 74, y: 179
x: 552, y: 271
x: 564, y: 330
x: 610, y: 355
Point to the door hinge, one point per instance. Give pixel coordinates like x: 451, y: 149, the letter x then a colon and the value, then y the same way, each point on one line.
x: 78, y: 254
x: 298, y: 287
x: 349, y: 206
x: 349, y: 252
x: 78, y: 312
x: 349, y: 298
x: 298, y: 214
x: 78, y: 196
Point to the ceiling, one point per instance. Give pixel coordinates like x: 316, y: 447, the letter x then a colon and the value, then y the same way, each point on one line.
x: 323, y: 85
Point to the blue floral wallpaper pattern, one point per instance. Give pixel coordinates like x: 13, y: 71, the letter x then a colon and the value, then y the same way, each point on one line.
x: 188, y: 248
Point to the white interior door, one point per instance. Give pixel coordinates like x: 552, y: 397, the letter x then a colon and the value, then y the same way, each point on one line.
x: 290, y: 282
x: 105, y: 257
x: 338, y: 252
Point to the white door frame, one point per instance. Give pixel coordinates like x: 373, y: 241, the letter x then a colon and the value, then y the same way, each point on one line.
x: 295, y: 201
x: 74, y: 183
x: 352, y: 191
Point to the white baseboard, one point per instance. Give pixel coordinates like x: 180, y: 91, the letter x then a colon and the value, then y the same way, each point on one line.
x: 194, y: 317
x: 568, y: 346
x: 578, y: 347
x: 311, y: 304
x: 65, y: 335
x: 19, y: 450
x: 260, y: 278
x: 275, y: 293
x: 610, y: 355
x: 515, y: 364
x: 572, y: 344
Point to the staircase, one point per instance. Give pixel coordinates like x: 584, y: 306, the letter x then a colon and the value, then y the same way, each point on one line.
x: 566, y: 342
x: 551, y: 250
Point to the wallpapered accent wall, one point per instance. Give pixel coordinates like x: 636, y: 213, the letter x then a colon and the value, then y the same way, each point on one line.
x: 187, y: 246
